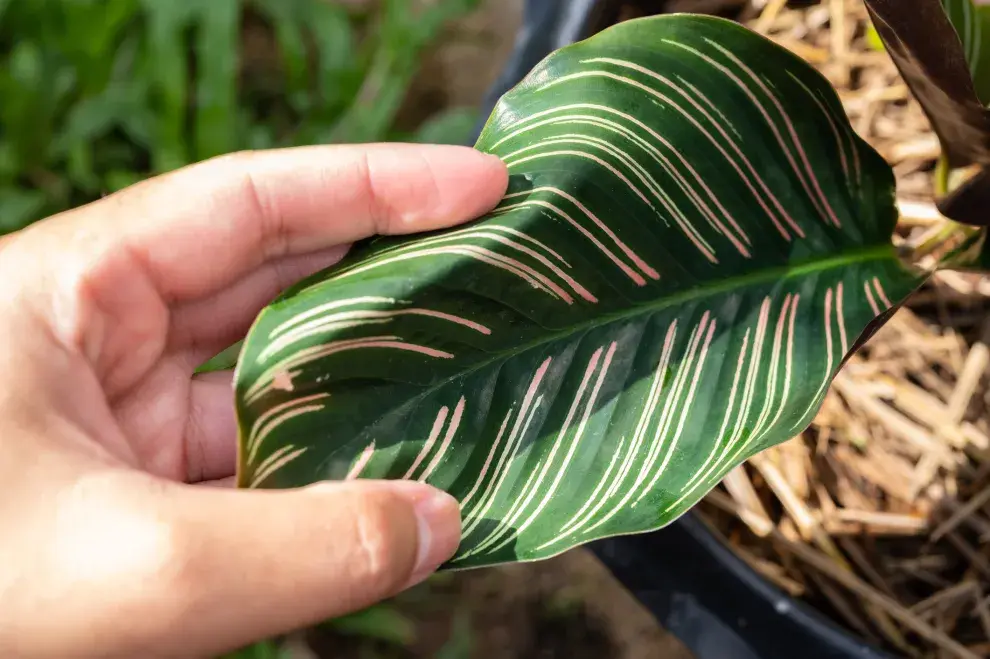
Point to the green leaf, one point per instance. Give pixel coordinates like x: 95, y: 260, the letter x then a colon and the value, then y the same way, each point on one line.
x: 460, y: 645
x: 331, y: 28
x: 452, y: 126
x: 218, y: 37
x: 972, y: 25
x: 117, y: 180
x: 381, y: 622
x: 224, y: 361
x: 873, y: 39
x: 404, y: 32
x: 166, y: 66
x: 263, y: 650
x: 92, y: 118
x: 284, y: 16
x: 692, y: 242
x: 18, y: 208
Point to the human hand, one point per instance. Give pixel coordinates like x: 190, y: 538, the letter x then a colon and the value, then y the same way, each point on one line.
x: 107, y: 549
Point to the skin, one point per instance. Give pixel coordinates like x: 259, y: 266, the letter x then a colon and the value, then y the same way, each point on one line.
x: 121, y: 534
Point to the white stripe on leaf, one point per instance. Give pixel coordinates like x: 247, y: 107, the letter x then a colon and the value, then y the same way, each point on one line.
x: 749, y: 390
x: 632, y: 274
x: 304, y: 357
x: 684, y: 182
x: 524, y: 495
x: 502, y: 469
x: 466, y: 501
x: 323, y: 308
x: 362, y: 461
x: 813, y: 190
x: 428, y: 444
x: 574, y: 524
x: 455, y: 422
x: 276, y: 416
x: 881, y: 294
x: 686, y: 408
x: 500, y: 261
x: 274, y: 462
x: 700, y: 475
x: 636, y: 169
x: 663, y: 426
x: 751, y: 184
x: 351, y: 319
x: 561, y: 436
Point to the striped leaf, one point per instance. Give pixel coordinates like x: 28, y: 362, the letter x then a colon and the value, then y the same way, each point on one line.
x: 692, y: 241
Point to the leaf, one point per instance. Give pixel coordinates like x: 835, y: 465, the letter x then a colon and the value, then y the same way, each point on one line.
x: 167, y: 68
x: 218, y: 38
x: 117, y: 180
x: 452, y: 126
x: 692, y: 242
x: 873, y: 39
x: 924, y: 44
x: 461, y: 643
x: 262, y: 650
x: 938, y: 47
x: 971, y: 254
x: 972, y: 26
x: 968, y: 200
x: 404, y: 32
x: 381, y: 622
x: 288, y: 27
x: 331, y: 28
x: 224, y: 361
x: 18, y: 208
x: 965, y: 202
x: 91, y: 118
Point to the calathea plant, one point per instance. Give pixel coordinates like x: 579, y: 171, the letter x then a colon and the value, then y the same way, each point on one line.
x: 692, y: 242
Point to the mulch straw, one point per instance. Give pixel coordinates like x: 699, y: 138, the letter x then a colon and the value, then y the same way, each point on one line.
x: 879, y: 513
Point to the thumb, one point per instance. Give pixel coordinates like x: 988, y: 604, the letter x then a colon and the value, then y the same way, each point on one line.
x: 256, y: 564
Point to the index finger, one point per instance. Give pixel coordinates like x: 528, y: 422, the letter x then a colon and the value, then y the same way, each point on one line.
x: 201, y: 228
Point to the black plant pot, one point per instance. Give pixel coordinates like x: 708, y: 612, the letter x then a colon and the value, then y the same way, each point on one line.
x: 693, y: 584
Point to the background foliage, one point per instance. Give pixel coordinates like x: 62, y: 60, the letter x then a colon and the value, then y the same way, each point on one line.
x: 97, y: 94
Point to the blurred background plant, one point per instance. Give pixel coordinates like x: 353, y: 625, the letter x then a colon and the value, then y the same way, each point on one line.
x: 98, y: 94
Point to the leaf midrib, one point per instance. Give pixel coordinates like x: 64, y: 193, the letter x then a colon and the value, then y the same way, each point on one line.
x: 850, y: 257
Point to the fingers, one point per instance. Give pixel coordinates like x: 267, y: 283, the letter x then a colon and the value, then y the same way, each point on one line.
x: 199, y: 229
x: 182, y: 430
x: 183, y: 571
x: 256, y: 564
x: 210, y: 437
x: 113, y: 272
x: 202, y: 328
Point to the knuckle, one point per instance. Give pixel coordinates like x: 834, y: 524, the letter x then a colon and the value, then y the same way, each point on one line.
x: 265, y: 218
x: 380, y: 539
x: 381, y: 216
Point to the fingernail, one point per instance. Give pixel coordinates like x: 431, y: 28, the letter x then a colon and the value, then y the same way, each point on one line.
x: 438, y: 520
